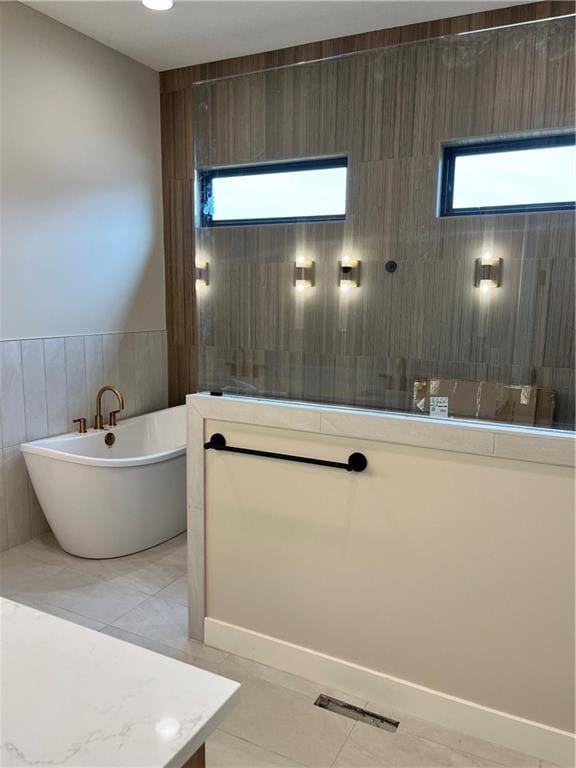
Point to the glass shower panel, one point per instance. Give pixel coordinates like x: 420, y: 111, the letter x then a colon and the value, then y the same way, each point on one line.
x: 469, y: 316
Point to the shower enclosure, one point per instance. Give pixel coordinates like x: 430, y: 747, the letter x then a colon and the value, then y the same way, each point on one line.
x: 430, y: 327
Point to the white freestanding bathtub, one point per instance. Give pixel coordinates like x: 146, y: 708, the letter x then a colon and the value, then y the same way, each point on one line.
x: 107, y: 501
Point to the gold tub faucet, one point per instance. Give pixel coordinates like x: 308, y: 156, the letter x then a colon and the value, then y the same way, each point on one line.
x: 98, y: 419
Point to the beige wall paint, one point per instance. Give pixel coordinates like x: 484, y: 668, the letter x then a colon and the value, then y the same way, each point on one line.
x: 80, y: 183
x: 451, y: 571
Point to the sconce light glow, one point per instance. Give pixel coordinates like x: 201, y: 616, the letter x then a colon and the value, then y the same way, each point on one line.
x: 303, y: 273
x: 202, y: 273
x: 348, y: 273
x: 488, y: 272
x: 158, y: 5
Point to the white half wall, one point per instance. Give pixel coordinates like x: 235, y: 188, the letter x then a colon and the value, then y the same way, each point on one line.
x: 80, y: 184
x: 438, y: 583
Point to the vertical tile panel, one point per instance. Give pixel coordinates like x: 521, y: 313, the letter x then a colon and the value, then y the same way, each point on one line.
x: 11, y: 394
x: 128, y: 376
x: 164, y: 353
x: 3, y: 509
x: 35, y: 406
x: 155, y: 371
x: 144, y: 373
x: 111, y: 359
x: 75, y: 378
x: 56, y: 386
x: 94, y: 366
x: 16, y: 496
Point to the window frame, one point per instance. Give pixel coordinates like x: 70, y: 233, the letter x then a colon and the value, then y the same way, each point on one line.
x: 206, y: 175
x: 450, y: 153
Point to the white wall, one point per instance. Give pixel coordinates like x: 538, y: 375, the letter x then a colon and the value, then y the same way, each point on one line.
x: 80, y: 184
x: 444, y: 569
x: 81, y: 258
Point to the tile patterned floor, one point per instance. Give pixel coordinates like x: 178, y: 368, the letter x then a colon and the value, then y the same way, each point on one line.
x: 142, y: 599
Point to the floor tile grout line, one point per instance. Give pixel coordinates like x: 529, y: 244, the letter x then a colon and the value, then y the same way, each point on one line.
x: 83, y: 615
x: 333, y: 763
x: 11, y: 596
x: 31, y: 559
x: 221, y: 662
x: 260, y: 746
x: 121, y: 616
x: 467, y: 752
x: 319, y: 686
x: 119, y: 580
x: 155, y: 594
x: 472, y: 755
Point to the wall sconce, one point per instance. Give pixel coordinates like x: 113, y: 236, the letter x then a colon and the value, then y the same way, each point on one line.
x: 303, y: 274
x: 488, y: 272
x: 348, y: 274
x: 202, y: 273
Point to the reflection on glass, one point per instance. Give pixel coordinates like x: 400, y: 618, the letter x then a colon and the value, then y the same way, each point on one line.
x: 287, y: 194
x: 520, y: 177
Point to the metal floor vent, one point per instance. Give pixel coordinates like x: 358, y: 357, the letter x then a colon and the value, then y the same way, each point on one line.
x: 356, y: 713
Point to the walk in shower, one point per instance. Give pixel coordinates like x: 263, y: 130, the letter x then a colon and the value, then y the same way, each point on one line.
x: 458, y: 306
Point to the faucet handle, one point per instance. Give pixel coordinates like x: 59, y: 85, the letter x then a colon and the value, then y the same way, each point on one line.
x: 81, y: 425
x: 112, y: 418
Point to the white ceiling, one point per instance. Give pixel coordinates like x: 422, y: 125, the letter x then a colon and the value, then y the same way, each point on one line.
x: 194, y: 32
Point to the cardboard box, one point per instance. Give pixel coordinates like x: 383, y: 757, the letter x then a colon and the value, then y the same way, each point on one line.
x: 485, y: 400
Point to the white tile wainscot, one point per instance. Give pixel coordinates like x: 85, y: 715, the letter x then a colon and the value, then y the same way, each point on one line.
x: 46, y: 383
x: 74, y: 696
x: 473, y: 439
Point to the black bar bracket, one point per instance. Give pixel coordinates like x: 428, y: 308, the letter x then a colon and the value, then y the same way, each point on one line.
x: 357, y: 462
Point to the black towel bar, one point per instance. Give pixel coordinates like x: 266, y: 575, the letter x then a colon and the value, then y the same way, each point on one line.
x: 357, y: 462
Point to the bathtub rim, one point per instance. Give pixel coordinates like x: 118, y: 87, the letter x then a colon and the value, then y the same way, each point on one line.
x: 41, y: 447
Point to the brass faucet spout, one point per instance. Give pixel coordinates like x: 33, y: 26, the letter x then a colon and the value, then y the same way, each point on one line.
x: 98, y: 419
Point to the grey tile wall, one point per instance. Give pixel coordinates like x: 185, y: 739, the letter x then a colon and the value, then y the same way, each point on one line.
x: 45, y: 383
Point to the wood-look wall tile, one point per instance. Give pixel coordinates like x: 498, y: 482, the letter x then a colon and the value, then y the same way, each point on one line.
x: 184, y: 77
x: 182, y: 373
x: 561, y: 380
x: 177, y: 135
x: 388, y: 110
x: 559, y: 339
x: 179, y: 252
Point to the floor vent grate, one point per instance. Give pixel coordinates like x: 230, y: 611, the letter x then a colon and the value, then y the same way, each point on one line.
x: 356, y: 713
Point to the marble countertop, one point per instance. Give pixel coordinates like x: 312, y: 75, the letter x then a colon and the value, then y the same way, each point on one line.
x: 74, y: 697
